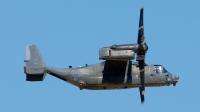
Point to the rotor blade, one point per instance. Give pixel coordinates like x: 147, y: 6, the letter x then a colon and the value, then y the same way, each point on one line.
x: 142, y: 79
x: 141, y: 27
x: 142, y: 48
x: 141, y: 96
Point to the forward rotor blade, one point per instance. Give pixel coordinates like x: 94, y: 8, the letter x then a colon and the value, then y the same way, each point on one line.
x: 142, y: 79
x: 141, y: 96
x: 142, y: 48
x: 141, y: 27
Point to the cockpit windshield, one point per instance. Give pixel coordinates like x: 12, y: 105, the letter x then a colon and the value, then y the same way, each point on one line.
x: 160, y: 69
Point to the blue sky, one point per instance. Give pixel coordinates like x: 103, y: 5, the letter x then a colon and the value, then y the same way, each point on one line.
x: 71, y: 33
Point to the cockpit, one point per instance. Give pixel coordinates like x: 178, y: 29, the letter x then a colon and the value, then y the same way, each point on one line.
x: 160, y: 69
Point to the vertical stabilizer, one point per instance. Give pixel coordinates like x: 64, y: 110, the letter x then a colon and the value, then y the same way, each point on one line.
x: 35, y: 66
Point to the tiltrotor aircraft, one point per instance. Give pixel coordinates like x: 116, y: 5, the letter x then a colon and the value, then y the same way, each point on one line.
x: 116, y: 72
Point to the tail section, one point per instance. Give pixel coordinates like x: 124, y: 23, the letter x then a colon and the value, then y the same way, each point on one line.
x: 35, y: 66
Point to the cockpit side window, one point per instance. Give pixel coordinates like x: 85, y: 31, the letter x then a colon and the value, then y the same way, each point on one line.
x: 160, y: 69
x: 164, y: 70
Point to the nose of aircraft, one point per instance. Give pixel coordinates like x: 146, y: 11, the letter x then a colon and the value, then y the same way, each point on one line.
x: 175, y: 79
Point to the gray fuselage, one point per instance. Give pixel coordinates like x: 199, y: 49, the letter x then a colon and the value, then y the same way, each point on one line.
x: 113, y: 75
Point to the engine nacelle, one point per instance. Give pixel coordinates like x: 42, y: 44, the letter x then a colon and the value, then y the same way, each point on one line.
x: 107, y: 53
